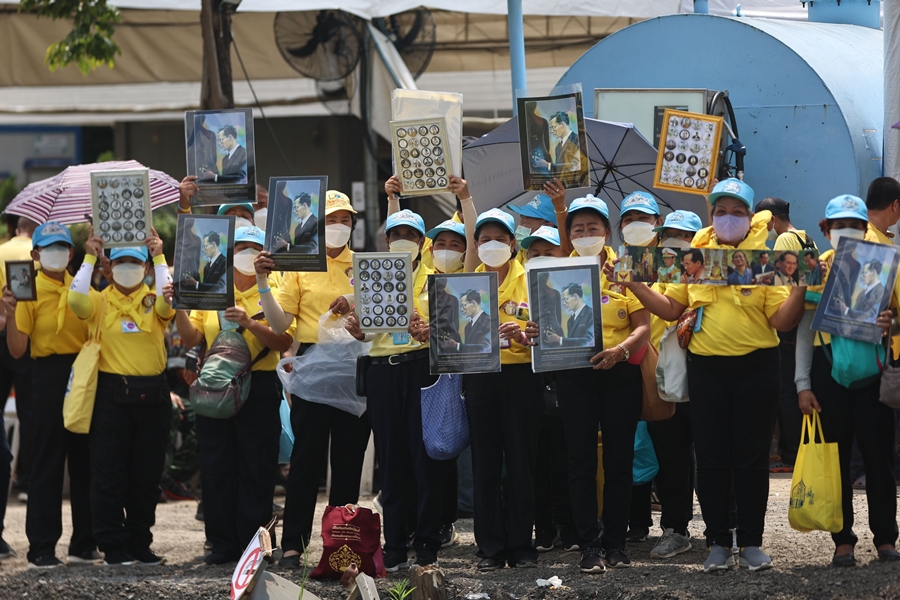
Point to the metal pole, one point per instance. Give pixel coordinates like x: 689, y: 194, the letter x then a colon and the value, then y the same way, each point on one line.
x: 370, y: 165
x: 516, y: 47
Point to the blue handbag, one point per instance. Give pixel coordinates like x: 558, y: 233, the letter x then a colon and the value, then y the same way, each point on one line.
x: 445, y: 422
x: 645, y: 464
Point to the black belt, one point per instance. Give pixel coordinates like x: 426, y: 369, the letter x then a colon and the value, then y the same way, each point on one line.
x: 396, y: 359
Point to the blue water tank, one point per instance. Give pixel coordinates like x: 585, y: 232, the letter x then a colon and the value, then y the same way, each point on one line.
x: 807, y: 97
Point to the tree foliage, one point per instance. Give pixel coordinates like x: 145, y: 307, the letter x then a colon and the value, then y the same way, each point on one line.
x: 89, y: 44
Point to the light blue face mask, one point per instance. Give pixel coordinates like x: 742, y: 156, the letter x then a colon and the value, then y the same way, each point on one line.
x: 522, y: 232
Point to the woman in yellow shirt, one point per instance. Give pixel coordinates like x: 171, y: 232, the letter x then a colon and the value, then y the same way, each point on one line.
x: 733, y: 378
x: 56, y: 336
x: 132, y: 412
x: 504, y: 411
x: 302, y: 299
x: 239, y: 456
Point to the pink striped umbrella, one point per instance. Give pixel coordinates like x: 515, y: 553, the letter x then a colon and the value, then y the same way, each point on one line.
x: 66, y: 197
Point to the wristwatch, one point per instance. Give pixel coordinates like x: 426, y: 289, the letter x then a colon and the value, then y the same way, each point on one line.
x: 624, y: 350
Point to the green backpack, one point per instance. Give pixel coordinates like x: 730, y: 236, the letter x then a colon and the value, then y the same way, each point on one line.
x: 224, y: 382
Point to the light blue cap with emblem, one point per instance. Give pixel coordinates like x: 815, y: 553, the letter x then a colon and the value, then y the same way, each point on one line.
x: 538, y: 207
x: 734, y: 188
x: 50, y: 232
x: 641, y: 202
x: 138, y: 252
x: 589, y: 201
x: 405, y: 217
x: 847, y: 207
x: 250, y: 234
x: 548, y: 234
x: 226, y: 207
x: 448, y: 225
x: 684, y: 220
x: 495, y: 215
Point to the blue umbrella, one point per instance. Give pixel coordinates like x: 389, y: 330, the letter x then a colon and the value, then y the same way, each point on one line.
x: 622, y: 162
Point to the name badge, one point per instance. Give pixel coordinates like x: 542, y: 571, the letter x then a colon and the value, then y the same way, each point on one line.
x: 129, y: 327
x: 401, y: 338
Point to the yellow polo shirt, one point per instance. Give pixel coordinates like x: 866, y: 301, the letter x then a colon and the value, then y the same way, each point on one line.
x: 132, y: 334
x: 658, y: 326
x: 512, y: 292
x: 307, y: 296
x: 207, y: 323
x: 383, y: 344
x: 49, y: 322
x: 789, y: 241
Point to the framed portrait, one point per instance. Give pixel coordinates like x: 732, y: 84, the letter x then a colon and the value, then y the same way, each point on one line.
x: 421, y: 156
x: 383, y: 292
x: 859, y: 287
x: 688, y: 152
x: 221, y: 153
x: 20, y: 279
x: 204, y: 268
x: 120, y: 201
x: 295, y: 229
x: 565, y: 299
x: 464, y: 319
x: 553, y: 141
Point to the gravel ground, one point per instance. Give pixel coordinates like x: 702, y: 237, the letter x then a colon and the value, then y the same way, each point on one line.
x: 801, y: 567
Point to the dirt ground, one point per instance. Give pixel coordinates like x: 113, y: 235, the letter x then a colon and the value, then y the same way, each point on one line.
x: 801, y: 567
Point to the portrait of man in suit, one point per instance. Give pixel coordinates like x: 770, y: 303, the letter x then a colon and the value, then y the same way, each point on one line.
x: 566, y: 152
x: 234, y: 161
x: 847, y: 273
x: 763, y: 271
x: 580, y: 324
x: 538, y: 139
x: 786, y: 269
x: 212, y: 268
x: 868, y: 295
x: 446, y: 321
x: 476, y: 338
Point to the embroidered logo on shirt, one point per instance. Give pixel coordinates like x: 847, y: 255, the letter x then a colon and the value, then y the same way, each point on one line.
x: 621, y: 314
x: 509, y: 307
x: 746, y: 291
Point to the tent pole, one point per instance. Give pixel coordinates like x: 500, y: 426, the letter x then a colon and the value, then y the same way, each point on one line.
x: 516, y: 47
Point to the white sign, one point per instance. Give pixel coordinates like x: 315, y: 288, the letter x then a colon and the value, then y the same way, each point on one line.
x: 358, y: 195
x: 248, y: 566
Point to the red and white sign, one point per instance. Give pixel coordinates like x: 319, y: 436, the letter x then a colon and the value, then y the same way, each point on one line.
x: 247, y: 568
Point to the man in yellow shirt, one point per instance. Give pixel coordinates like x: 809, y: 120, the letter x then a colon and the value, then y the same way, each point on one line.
x: 781, y: 230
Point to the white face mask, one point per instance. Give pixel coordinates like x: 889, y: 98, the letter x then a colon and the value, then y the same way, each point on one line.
x: 243, y: 261
x: 242, y: 222
x: 772, y: 235
x: 837, y: 234
x: 675, y: 243
x: 405, y: 246
x: 128, y: 275
x: 54, y: 259
x: 260, y: 217
x: 494, y: 253
x: 337, y: 235
x: 589, y: 246
x: 539, y: 259
x: 448, y: 261
x: 638, y: 233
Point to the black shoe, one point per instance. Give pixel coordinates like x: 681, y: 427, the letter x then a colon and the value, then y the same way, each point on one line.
x: 47, y: 561
x: 175, y: 490
x: 543, y: 539
x: 5, y: 550
x: 847, y: 560
x: 637, y: 535
x: 395, y: 560
x: 145, y: 556
x: 592, y: 561
x: 290, y: 562
x: 889, y: 555
x: 86, y: 558
x: 207, y: 545
x: 616, y: 559
x: 199, y: 515
x: 217, y: 558
x: 448, y: 535
x: 489, y: 564
x: 425, y: 558
x: 116, y: 558
x: 526, y: 563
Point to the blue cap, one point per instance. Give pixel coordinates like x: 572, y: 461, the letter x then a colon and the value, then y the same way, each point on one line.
x: 847, y: 207
x: 50, y: 233
x: 734, y: 188
x: 640, y: 201
x: 448, y: 225
x: 539, y: 207
x: 546, y: 233
x: 589, y: 201
x: 138, y: 252
x: 684, y: 220
x: 250, y: 234
x: 405, y: 217
x: 496, y: 215
x: 226, y: 207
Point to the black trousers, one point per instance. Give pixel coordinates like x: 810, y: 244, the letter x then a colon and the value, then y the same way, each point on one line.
x: 52, y: 445
x: 128, y: 453
x: 16, y: 372
x: 238, y: 459
x: 394, y: 403
x: 504, y: 420
x: 552, y: 507
x: 731, y: 414
x: 673, y: 442
x: 314, y: 425
x: 449, y: 478
x: 5, y: 475
x: 790, y: 419
x: 611, y: 399
x: 846, y: 413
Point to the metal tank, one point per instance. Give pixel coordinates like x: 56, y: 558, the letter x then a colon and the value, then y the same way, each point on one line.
x: 807, y: 96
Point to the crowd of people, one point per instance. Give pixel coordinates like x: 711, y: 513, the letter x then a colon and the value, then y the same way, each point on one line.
x: 752, y: 361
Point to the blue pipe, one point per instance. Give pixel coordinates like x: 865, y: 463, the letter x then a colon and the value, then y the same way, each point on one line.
x: 701, y: 7
x: 516, y: 47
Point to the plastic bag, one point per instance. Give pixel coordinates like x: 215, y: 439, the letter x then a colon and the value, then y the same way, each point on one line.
x: 286, y: 442
x: 646, y: 466
x: 671, y: 368
x: 816, y: 503
x: 326, y: 373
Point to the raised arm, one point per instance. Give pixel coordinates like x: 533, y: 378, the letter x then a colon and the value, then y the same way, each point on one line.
x: 662, y: 306
x: 278, y: 320
x: 791, y: 310
x: 557, y: 192
x: 393, y: 188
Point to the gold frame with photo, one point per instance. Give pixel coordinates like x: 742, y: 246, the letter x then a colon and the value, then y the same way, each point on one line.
x: 713, y: 142
x: 397, y: 151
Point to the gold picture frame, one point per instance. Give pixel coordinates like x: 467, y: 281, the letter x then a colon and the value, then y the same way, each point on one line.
x: 688, y: 153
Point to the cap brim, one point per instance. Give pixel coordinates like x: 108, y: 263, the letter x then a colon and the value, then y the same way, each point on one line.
x: 644, y: 209
x: 848, y: 214
x: 526, y: 243
x: 334, y: 209
x: 526, y: 211
x: 716, y: 195
x: 437, y: 230
x: 416, y: 227
x: 678, y: 227
x: 495, y: 220
x: 595, y: 209
x: 52, y: 239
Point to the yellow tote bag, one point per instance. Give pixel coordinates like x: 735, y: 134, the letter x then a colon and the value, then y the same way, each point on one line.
x: 816, y: 484
x: 78, y: 406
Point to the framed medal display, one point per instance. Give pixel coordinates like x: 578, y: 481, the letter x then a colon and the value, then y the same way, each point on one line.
x: 383, y: 291
x: 421, y: 156
x: 688, y: 152
x: 120, y: 201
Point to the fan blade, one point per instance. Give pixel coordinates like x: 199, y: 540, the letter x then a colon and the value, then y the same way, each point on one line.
x: 303, y: 51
